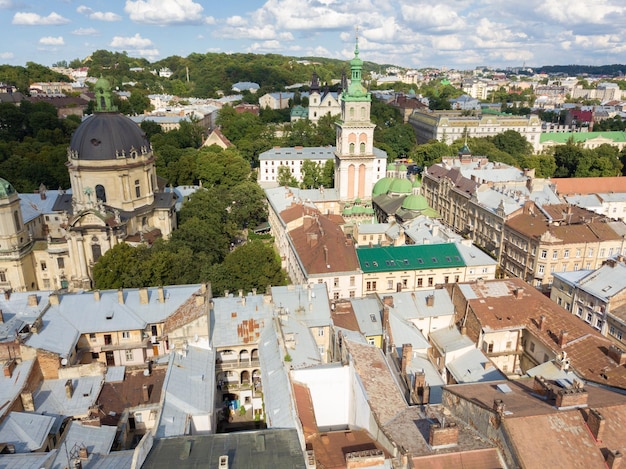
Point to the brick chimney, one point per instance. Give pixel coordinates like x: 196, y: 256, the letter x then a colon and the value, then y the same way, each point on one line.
x: 596, y: 424
x: 32, y: 300
x: 563, y: 338
x: 69, y: 389
x: 518, y: 293
x: 145, y: 393
x: 420, y: 388
x: 498, y: 406
x: 53, y: 298
x: 572, y: 397
x: 407, y: 354
x: 430, y: 300
x: 443, y: 435
x: 8, y: 367
x: 617, y: 354
x: 388, y: 300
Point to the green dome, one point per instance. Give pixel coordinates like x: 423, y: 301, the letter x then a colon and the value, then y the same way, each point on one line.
x: 347, y: 211
x: 401, y: 186
x: 415, y: 202
x: 402, y: 168
x: 417, y: 183
x: 391, y: 167
x: 381, y: 186
x: 357, y: 210
x: 369, y: 211
x: 6, y: 189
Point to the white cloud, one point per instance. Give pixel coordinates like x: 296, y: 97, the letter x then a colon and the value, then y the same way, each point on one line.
x: 164, y: 12
x: 33, y: 19
x: 133, y: 42
x: 598, y: 11
x: 6, y: 55
x: 5, y: 4
x: 236, y: 21
x: 52, y: 41
x: 85, y: 32
x: 265, y: 46
x: 98, y: 15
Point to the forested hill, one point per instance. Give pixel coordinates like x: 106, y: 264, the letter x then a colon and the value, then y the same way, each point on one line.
x: 577, y: 70
x: 198, y: 75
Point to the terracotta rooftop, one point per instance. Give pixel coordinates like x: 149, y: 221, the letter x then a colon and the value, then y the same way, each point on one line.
x: 343, y: 316
x: 590, y: 185
x: 474, y: 459
x: 385, y: 398
x: 461, y: 183
x: 306, y: 413
x: 512, y: 303
x: 323, y: 247
x: 296, y: 211
x: 542, y: 435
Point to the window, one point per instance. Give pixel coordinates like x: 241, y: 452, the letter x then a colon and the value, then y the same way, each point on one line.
x: 405, y: 282
x: 389, y: 284
x: 590, y: 252
x: 509, y: 344
x: 431, y: 281
x: 92, y: 337
x: 320, y: 332
x: 545, y: 357
x: 576, y: 266
x: 336, y: 282
x: 559, y: 301
x: 46, y: 284
x: 589, y: 317
x: 555, y: 254
x: 532, y: 347
x: 599, y: 324
x: 566, y: 253
x: 336, y: 295
x: 579, y: 312
x: 128, y: 354
x: 578, y: 252
x: 137, y: 188
x: 3, y: 276
x: 456, y: 279
x: 16, y: 219
x: 568, y: 306
x: 60, y: 263
x: 420, y: 282
x: 352, y: 294
x: 602, y: 251
x: 370, y: 285
x: 351, y: 281
x: 544, y: 254
x: 44, y: 266
x: 541, y: 268
x: 446, y: 279
x: 125, y: 335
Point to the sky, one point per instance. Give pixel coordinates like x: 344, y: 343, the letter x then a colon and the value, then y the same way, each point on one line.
x: 461, y: 34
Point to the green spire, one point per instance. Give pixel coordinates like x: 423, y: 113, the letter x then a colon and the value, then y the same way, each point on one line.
x: 104, y: 103
x: 356, y: 88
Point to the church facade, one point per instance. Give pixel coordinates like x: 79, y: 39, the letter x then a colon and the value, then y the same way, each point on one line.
x: 114, y: 197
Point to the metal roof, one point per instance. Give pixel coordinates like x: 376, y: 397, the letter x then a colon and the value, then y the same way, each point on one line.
x: 27, y: 431
x: 411, y: 257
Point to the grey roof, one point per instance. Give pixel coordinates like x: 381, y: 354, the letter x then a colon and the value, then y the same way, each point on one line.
x: 115, y: 374
x: 172, y: 119
x: 278, y: 399
x: 58, y: 335
x: 280, y: 197
x: 11, y: 387
x: 421, y: 363
x: 51, y: 397
x: 472, y: 256
x: 450, y: 339
x: 32, y: 205
x: 373, y: 228
x: 298, y: 153
x: 572, y: 276
x: 16, y: 313
x: 589, y: 201
x: 97, y: 440
x: 308, y: 304
x: 230, y: 312
x: 188, y: 388
x: 549, y: 370
x: 113, y: 460
x: 411, y: 305
x: 405, y: 332
x: 473, y: 367
x: 367, y: 313
x: 605, y: 282
x: 276, y: 449
x: 103, y: 134
x: 29, y: 460
x: 426, y: 230
x: 305, y: 353
x: 26, y: 431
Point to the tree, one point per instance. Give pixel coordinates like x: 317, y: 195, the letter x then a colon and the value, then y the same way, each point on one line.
x: 248, y: 207
x: 311, y: 175
x: 513, y: 143
x: 122, y: 266
x: 255, y: 265
x: 218, y: 167
x: 285, y: 178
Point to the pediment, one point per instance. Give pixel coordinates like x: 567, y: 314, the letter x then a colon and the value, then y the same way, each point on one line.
x: 88, y: 219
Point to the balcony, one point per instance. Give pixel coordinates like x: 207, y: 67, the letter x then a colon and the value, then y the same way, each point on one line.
x: 222, y: 365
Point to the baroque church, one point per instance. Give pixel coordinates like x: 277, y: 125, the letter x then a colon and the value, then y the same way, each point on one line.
x: 52, y: 239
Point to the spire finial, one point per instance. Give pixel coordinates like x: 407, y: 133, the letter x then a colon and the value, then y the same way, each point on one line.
x: 356, y: 44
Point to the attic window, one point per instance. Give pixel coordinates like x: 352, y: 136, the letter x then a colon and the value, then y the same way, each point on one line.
x: 607, y: 288
x: 109, y: 315
x: 448, y: 259
x: 95, y: 142
x: 375, y: 264
x: 392, y: 262
x: 373, y: 317
x: 458, y: 259
x: 420, y: 260
x: 367, y: 264
x: 434, y: 259
x: 406, y: 262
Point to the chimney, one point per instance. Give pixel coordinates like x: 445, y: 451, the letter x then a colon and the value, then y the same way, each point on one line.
x: 542, y: 322
x: 388, y: 300
x: 83, y: 453
x: 96, y: 295
x: 430, y: 300
x: 27, y: 401
x: 617, y: 354
x: 498, y: 406
x: 1, y: 317
x: 143, y: 296
x: 596, y: 424
x: 407, y: 354
x: 562, y: 338
x: 145, y: 393
x: 53, y: 298
x: 69, y: 389
x: 120, y: 296
x: 443, y: 435
x: 571, y: 397
x: 7, y: 295
x: 32, y: 300
x: 614, y: 459
x: 385, y: 317
x: 518, y: 293
x: 240, y: 293
x: 226, y: 293
x: 161, y: 294
x: 326, y: 255
x: 8, y: 367
x: 199, y: 299
x: 421, y: 389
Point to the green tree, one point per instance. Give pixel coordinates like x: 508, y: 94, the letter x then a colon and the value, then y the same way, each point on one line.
x: 248, y: 206
x: 285, y: 178
x: 218, y: 167
x: 311, y: 175
x: 513, y: 143
x: 122, y: 266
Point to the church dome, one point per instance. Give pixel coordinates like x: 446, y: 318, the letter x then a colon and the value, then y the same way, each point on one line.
x: 108, y: 136
x: 391, y: 167
x: 415, y: 202
x: 6, y: 189
x: 401, y: 186
x: 381, y: 186
x: 417, y: 184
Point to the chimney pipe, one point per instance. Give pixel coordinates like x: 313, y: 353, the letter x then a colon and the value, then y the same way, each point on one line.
x: 69, y: 389
x: 161, y: 295
x: 145, y: 393
x: 96, y: 295
x: 407, y: 353
x: 32, y: 300
x: 120, y: 296
x: 562, y: 338
x: 430, y: 300
x: 143, y: 296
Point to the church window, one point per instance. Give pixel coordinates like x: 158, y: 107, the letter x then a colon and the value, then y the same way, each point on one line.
x: 3, y: 276
x: 363, y: 112
x: 137, y: 188
x: 44, y: 266
x: 96, y: 252
x: 362, y: 147
x: 352, y: 112
x: 352, y: 148
x: 61, y: 262
x: 101, y: 193
x: 16, y: 218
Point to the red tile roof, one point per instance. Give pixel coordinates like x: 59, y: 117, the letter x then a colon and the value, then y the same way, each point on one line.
x: 590, y: 185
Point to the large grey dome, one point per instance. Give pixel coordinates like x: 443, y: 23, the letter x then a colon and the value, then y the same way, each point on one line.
x: 108, y: 136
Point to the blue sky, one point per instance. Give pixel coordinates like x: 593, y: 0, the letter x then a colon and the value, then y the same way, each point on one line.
x: 409, y: 33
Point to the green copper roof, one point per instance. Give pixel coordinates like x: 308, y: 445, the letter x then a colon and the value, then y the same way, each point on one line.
x: 401, y: 186
x: 563, y: 137
x: 417, y: 183
x: 391, y: 167
x: 412, y: 257
x: 347, y: 211
x: 299, y: 111
x: 356, y: 91
x: 415, y: 202
x: 6, y: 189
x: 402, y: 167
x: 381, y: 186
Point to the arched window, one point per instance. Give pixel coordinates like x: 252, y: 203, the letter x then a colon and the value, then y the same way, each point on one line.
x: 352, y: 112
x: 362, y: 112
x: 137, y: 188
x: 352, y: 149
x: 101, y: 193
x: 362, y: 147
x: 16, y: 219
x: 96, y: 252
